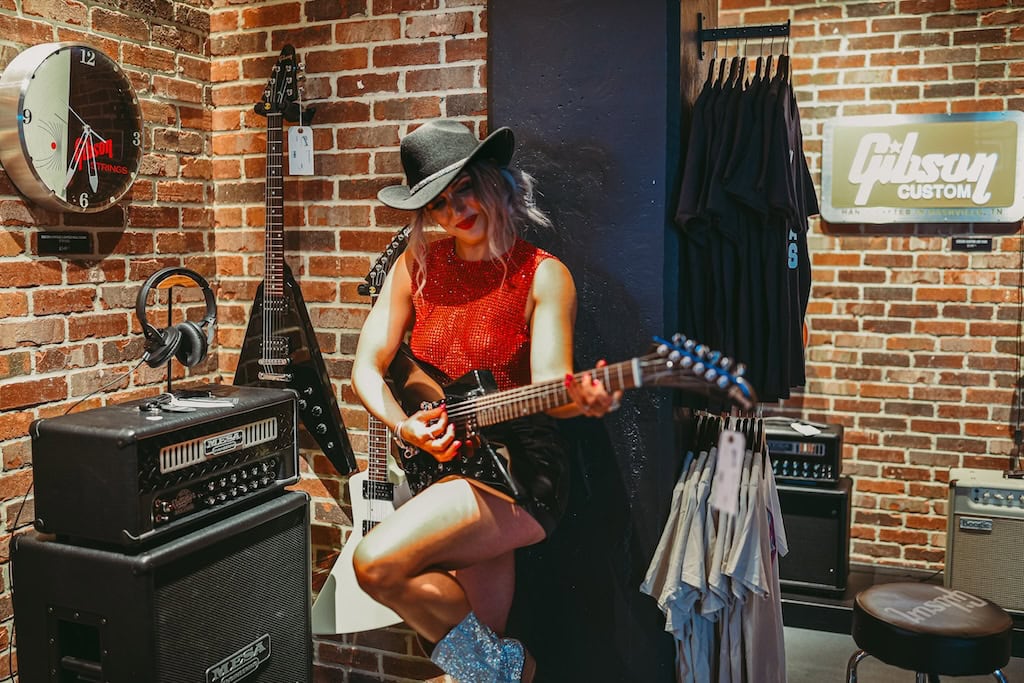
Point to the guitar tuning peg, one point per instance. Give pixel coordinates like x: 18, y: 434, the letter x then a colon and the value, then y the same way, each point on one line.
x: 662, y: 350
x: 739, y: 370
x: 698, y: 369
x: 701, y: 351
x: 722, y: 382
x: 714, y: 357
x: 689, y: 345
x: 724, y: 362
x: 678, y: 339
x: 674, y: 356
x: 686, y: 362
x: 710, y: 374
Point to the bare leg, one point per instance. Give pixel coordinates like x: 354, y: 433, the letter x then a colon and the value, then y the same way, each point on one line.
x: 490, y: 586
x: 405, y: 562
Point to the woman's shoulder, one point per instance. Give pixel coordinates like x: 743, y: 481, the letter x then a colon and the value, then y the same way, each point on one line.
x: 529, y: 250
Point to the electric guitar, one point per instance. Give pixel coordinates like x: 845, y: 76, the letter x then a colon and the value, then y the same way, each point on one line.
x: 474, y: 404
x: 280, y: 348
x: 342, y: 606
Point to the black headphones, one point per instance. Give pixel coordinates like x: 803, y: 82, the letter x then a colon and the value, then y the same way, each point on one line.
x: 185, y: 341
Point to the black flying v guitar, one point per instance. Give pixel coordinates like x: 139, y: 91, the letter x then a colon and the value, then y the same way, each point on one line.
x: 474, y: 404
x: 280, y: 347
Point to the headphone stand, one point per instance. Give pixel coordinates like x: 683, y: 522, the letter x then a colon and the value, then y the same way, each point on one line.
x: 170, y: 322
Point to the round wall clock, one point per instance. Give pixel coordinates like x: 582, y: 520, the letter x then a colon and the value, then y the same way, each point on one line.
x: 70, y: 127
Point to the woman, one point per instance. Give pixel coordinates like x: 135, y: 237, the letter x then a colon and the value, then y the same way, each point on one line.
x: 481, y: 298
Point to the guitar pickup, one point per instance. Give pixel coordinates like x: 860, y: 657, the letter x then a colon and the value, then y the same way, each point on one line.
x: 378, y: 490
x: 275, y: 376
x: 274, y: 361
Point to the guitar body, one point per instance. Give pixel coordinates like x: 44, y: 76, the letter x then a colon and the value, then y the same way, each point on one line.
x: 342, y: 606
x: 484, y: 464
x: 304, y: 371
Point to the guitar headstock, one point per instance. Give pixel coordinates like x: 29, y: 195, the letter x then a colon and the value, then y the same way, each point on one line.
x: 281, y: 94
x: 687, y: 364
x: 379, y: 271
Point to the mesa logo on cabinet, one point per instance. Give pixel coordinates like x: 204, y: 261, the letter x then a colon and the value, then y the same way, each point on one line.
x: 957, y: 168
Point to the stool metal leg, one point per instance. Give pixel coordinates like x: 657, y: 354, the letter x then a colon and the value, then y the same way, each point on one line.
x: 998, y: 675
x: 851, y: 666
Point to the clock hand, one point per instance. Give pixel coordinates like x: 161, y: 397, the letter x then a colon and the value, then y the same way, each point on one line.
x: 80, y: 119
x: 73, y: 166
x: 90, y: 163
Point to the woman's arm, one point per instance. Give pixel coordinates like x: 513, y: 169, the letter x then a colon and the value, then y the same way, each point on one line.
x: 383, y: 331
x: 551, y: 342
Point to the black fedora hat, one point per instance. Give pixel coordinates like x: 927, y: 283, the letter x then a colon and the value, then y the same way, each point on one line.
x: 436, y: 152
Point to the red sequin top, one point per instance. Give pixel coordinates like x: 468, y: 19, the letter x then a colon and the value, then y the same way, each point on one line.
x: 471, y: 315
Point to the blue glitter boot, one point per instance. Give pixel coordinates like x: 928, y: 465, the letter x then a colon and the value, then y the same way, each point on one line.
x: 473, y: 653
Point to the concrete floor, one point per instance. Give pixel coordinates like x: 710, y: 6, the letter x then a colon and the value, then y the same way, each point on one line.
x: 820, y: 657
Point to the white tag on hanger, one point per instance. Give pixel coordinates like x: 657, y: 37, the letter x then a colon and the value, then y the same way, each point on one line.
x: 725, y: 487
x: 300, y: 150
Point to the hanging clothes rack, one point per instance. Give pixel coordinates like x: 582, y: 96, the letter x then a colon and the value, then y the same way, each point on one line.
x: 709, y: 35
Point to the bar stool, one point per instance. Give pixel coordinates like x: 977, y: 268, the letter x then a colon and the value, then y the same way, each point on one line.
x: 930, y: 630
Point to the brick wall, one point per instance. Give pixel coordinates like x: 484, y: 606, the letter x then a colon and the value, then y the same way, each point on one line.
x: 912, y: 347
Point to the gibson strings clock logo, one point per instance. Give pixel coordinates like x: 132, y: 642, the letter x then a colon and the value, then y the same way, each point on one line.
x: 75, y: 142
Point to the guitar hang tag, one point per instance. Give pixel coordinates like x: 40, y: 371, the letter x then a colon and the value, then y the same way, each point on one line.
x: 300, y: 150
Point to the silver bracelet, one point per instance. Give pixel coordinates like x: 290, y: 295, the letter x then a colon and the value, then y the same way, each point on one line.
x: 407, y: 450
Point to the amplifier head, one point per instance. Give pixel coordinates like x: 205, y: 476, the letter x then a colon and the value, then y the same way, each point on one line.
x: 985, y: 536
x: 126, y: 474
x: 810, y: 458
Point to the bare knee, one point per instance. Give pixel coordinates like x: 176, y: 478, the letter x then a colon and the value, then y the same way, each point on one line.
x: 378, y: 575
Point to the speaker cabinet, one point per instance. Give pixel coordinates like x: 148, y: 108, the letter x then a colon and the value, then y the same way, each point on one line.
x: 228, y: 603
x: 985, y: 538
x: 817, y: 523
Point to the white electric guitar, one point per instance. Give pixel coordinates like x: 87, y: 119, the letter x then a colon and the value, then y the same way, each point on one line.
x: 342, y: 606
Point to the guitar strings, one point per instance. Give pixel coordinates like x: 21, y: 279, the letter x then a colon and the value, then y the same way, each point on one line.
x: 468, y: 407
x: 377, y: 433
x: 272, y: 318
x: 529, y: 392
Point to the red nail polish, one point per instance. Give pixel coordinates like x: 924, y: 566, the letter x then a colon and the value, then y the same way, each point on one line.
x: 568, y: 380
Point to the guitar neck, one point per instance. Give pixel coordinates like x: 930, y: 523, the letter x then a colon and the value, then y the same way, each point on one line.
x: 273, y: 266
x: 491, y: 409
x: 377, y: 449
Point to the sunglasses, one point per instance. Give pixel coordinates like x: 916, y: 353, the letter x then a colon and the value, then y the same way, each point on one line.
x: 462, y: 187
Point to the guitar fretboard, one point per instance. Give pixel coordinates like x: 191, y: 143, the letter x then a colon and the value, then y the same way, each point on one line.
x: 491, y: 409
x: 274, y: 349
x: 273, y: 267
x: 377, y: 450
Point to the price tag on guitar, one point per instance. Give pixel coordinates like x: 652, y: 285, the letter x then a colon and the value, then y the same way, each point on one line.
x: 300, y: 150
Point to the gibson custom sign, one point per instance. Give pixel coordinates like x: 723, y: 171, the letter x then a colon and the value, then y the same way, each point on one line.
x: 959, y: 168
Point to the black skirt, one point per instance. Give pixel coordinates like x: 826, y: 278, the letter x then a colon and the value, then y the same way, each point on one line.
x: 539, y: 463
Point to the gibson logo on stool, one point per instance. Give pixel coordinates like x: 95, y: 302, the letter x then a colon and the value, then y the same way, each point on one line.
x: 926, y: 610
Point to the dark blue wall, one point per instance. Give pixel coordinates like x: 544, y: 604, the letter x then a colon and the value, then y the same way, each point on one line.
x: 591, y: 88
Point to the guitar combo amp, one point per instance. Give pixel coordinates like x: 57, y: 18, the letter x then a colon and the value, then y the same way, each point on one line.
x: 166, y: 548
x: 815, y: 500
x: 985, y: 536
